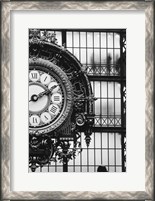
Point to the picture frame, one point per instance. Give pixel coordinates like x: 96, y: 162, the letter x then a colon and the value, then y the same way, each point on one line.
x: 6, y: 8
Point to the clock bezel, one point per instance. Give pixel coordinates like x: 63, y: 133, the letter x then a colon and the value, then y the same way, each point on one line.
x: 56, y: 72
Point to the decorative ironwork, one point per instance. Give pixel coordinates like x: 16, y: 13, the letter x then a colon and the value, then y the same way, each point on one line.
x: 43, y: 49
x: 124, y: 104
x: 108, y: 121
x: 103, y: 69
x: 41, y: 150
x: 63, y: 150
x: 37, y: 36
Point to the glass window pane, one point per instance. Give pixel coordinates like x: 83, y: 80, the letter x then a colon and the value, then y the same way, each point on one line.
x: 104, y: 157
x: 77, y: 169
x: 103, y: 56
x: 91, y: 157
x: 111, y: 169
x: 83, y: 56
x: 111, y: 157
x: 117, y: 90
x: 98, y: 157
x: 116, y: 56
x: 111, y: 89
x: 89, y: 39
x: 97, y: 140
x: 104, y: 140
x: 110, y: 58
x: 76, y: 39
x: 117, y: 40
x: 70, y: 169
x: 111, y: 108
x: 104, y: 89
x: 97, y: 107
x: 89, y: 56
x: 103, y: 40
x: 118, y: 169
x: 117, y: 106
x: 110, y: 40
x: 84, y: 157
x: 84, y: 169
x: 52, y: 169
x: 45, y: 169
x: 111, y: 140
x: 96, y: 39
x: 83, y: 39
x: 118, y: 140
x: 91, y: 169
x: 69, y: 39
x: 118, y: 157
x: 104, y: 106
x: 97, y: 89
x: 97, y: 56
x: 59, y: 169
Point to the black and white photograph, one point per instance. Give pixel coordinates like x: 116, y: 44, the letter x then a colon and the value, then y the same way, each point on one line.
x: 77, y: 100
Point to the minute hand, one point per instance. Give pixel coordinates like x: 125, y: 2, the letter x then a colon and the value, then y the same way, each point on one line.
x: 46, y: 92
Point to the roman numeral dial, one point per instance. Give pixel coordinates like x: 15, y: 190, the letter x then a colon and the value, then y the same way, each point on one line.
x: 45, y: 78
x: 34, y: 120
x: 45, y: 117
x: 50, y: 96
x: 53, y: 109
x: 56, y: 98
x: 45, y: 98
x: 34, y: 76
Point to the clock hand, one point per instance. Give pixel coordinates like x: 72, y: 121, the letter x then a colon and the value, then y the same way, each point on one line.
x: 43, y: 93
x: 35, y: 97
x: 46, y: 92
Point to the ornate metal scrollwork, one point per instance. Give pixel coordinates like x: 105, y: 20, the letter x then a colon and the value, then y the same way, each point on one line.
x: 41, y: 149
x: 42, y: 45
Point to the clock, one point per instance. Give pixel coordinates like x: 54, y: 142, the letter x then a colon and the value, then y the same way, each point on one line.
x: 50, y: 96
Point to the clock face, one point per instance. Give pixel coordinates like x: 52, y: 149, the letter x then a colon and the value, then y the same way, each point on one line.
x: 49, y: 97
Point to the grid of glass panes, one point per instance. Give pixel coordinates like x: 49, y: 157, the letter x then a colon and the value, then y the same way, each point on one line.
x: 95, y: 50
x: 105, y: 149
x: 107, y: 107
x: 99, y: 53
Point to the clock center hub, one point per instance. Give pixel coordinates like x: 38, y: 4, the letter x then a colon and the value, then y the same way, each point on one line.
x: 37, y: 104
x: 34, y: 97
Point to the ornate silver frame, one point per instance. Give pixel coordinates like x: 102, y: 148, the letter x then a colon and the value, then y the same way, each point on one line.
x: 6, y: 8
